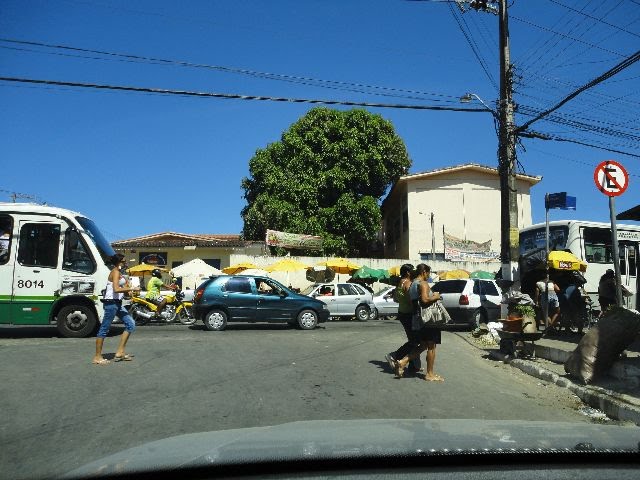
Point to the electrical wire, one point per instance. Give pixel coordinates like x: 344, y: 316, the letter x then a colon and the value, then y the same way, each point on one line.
x: 608, y: 74
x: 263, y: 75
x: 473, y: 46
x: 188, y: 93
x: 595, y: 18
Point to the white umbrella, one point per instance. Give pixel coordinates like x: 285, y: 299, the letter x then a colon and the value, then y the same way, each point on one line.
x: 194, y: 272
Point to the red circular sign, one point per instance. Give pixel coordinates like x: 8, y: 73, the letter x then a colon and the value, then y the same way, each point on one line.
x: 611, y: 178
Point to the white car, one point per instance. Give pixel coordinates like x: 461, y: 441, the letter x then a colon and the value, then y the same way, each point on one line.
x: 470, y: 301
x: 343, y: 299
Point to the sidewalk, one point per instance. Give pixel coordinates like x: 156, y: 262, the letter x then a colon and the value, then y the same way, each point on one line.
x: 617, y: 394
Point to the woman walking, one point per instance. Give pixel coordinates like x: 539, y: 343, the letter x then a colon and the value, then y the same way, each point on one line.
x: 429, y: 337
x: 113, y: 295
x: 405, y: 314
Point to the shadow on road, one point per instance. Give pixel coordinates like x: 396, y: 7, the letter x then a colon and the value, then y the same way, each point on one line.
x: 12, y: 331
x: 254, y: 326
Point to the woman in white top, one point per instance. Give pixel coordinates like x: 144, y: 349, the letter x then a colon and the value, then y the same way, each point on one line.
x: 113, y: 295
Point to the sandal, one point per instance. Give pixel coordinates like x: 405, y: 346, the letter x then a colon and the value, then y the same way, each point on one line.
x: 435, y: 378
x: 124, y: 358
x: 104, y: 361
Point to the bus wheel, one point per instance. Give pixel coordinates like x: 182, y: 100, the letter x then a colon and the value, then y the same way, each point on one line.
x: 76, y: 321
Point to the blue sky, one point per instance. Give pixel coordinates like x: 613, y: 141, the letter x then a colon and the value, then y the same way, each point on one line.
x: 145, y: 163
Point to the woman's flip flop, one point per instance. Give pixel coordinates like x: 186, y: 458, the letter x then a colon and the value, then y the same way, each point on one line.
x: 104, y: 361
x: 125, y: 358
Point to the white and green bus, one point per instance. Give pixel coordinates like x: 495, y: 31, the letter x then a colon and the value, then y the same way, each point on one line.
x: 591, y: 242
x: 53, y: 265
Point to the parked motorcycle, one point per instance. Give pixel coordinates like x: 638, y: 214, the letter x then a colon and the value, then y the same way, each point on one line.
x: 144, y: 311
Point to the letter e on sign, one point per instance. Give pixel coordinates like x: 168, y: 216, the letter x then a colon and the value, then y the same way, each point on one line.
x: 611, y: 178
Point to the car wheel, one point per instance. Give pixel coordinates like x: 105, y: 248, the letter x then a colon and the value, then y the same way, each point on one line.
x: 373, y: 315
x: 307, y: 319
x: 215, y: 320
x: 391, y: 317
x: 362, y: 313
x: 478, y: 317
x: 76, y: 321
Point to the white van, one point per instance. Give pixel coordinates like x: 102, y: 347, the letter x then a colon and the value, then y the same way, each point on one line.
x: 53, y: 265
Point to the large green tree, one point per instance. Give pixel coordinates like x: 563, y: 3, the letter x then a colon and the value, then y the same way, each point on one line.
x: 325, y: 177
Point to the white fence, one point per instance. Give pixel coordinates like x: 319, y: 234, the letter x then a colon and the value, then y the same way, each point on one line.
x: 298, y: 279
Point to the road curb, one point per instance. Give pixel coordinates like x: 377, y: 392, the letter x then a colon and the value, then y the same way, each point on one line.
x: 613, y: 404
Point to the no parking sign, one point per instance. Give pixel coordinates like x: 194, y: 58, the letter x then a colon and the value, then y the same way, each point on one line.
x: 611, y: 178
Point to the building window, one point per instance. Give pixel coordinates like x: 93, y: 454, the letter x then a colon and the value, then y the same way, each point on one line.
x: 212, y: 262
x: 405, y: 220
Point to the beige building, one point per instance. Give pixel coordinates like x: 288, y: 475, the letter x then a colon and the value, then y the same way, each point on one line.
x: 462, y: 201
x: 170, y: 249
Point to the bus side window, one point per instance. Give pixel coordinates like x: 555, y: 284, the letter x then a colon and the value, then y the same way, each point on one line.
x: 39, y: 244
x: 76, y: 257
x: 6, y: 229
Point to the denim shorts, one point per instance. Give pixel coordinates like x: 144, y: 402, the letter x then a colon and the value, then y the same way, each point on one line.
x: 111, y: 311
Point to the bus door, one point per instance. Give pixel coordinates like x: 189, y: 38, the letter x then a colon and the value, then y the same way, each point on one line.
x: 629, y: 255
x: 36, y: 275
x: 7, y: 260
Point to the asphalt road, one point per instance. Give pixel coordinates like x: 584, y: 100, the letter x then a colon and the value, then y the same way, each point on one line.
x: 59, y: 411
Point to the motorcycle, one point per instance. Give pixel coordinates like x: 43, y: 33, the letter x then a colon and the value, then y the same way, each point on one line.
x: 576, y: 312
x: 144, y: 311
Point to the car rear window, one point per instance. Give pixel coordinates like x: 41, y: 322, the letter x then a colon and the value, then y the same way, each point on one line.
x: 486, y: 288
x: 449, y: 286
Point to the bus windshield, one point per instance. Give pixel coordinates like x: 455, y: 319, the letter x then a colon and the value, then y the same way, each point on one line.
x: 534, y: 240
x: 104, y: 247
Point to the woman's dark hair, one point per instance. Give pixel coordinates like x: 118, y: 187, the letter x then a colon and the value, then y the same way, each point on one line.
x: 405, y: 270
x: 116, y: 259
x: 422, y: 268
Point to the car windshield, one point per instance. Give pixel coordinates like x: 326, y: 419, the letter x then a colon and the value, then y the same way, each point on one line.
x: 384, y: 291
x: 284, y: 164
x: 309, y: 289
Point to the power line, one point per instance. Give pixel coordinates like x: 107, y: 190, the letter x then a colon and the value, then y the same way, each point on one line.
x: 616, y: 69
x: 566, y: 36
x: 473, y: 47
x: 243, y: 71
x: 188, y: 93
x: 595, y: 18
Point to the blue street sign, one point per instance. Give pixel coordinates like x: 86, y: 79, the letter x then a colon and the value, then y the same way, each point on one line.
x: 560, y: 200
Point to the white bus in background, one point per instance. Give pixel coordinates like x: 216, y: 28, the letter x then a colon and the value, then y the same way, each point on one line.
x: 53, y: 266
x: 591, y: 242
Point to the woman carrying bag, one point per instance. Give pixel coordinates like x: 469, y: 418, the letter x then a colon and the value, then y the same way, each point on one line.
x: 422, y: 299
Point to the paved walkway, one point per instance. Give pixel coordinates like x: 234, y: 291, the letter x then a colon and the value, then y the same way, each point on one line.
x: 617, y: 394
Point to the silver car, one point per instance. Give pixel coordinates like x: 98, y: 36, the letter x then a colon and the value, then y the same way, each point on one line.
x: 343, y: 299
x: 385, y: 305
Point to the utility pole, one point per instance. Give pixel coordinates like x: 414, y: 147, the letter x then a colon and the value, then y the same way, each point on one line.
x: 509, y: 235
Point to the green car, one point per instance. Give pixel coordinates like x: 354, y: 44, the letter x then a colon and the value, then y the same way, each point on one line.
x: 253, y: 299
